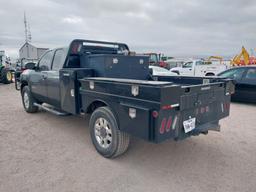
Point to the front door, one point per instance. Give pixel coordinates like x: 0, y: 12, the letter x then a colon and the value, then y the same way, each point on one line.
x: 187, y: 69
x: 39, y: 77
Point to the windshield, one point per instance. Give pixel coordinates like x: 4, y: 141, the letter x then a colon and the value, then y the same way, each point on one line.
x: 153, y: 58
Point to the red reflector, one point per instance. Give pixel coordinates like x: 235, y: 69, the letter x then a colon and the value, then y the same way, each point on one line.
x: 202, y: 109
x: 168, y: 125
x: 226, y: 106
x: 155, y: 114
x: 165, y: 107
x: 161, y: 130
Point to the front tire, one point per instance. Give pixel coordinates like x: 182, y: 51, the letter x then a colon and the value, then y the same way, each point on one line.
x: 106, y: 137
x: 28, y: 100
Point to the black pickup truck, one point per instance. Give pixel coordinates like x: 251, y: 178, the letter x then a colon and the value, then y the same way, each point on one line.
x: 117, y: 88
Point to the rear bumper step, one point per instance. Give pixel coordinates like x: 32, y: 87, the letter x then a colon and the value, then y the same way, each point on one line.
x: 205, y: 128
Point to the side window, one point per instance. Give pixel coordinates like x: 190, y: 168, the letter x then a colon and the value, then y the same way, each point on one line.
x: 59, y: 59
x: 46, y: 61
x: 199, y: 63
x: 251, y: 74
x: 234, y: 73
x: 187, y: 65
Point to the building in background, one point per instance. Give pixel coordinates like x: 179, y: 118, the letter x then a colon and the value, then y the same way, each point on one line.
x: 29, y: 51
x: 4, y: 59
x: 2, y: 55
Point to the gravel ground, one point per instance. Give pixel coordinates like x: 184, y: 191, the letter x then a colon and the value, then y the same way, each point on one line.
x: 43, y: 152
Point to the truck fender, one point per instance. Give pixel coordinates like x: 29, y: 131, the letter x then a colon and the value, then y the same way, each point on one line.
x: 23, y: 84
x: 92, y: 106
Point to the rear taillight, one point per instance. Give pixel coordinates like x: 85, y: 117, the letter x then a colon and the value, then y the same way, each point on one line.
x: 166, y: 107
x: 202, y: 110
x: 162, y: 127
x: 226, y: 106
x: 168, y: 125
x: 165, y: 125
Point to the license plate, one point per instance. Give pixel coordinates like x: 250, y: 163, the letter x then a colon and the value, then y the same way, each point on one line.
x: 189, y: 125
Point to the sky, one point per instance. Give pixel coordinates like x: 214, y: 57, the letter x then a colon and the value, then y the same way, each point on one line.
x: 173, y: 27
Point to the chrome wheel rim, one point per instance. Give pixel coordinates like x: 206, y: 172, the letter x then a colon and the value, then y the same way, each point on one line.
x: 103, y: 133
x: 26, y: 100
x: 9, y: 76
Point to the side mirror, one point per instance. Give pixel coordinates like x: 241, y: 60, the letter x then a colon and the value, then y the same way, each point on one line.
x: 30, y: 65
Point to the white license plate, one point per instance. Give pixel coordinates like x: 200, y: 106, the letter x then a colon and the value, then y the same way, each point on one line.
x: 189, y: 125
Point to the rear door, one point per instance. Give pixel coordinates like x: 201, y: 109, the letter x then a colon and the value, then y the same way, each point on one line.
x: 53, y: 77
x: 247, y: 87
x: 39, y: 77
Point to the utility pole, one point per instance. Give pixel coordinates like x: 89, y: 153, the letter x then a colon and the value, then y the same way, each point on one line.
x: 28, y: 36
x: 26, y: 27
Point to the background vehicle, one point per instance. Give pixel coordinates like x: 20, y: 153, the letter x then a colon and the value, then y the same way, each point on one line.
x: 245, y: 82
x: 243, y: 59
x: 175, y: 62
x: 105, y: 80
x: 155, y: 60
x: 20, y: 67
x: 160, y: 71
x: 215, y: 58
x: 5, y: 69
x: 199, y: 68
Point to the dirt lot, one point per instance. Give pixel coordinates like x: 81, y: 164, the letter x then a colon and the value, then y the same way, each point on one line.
x: 43, y: 152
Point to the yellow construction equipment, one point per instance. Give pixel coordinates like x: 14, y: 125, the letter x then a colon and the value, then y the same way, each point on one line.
x: 215, y: 58
x: 243, y: 58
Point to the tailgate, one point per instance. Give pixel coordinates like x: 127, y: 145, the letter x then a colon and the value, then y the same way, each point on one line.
x: 200, y: 109
x: 206, y: 102
x: 204, y: 105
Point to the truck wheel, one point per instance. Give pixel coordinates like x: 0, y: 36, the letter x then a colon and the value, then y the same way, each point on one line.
x: 108, y: 140
x: 6, y: 76
x: 28, y: 100
x: 209, y: 74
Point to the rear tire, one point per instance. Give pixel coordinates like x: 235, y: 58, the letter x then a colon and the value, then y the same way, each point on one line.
x: 28, y: 100
x: 6, y: 76
x: 106, y: 137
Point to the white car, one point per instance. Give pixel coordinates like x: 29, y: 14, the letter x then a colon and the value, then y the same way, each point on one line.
x: 199, y: 68
x: 159, y: 71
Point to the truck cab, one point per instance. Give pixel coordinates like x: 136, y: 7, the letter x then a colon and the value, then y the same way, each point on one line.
x: 199, y: 68
x: 44, y: 80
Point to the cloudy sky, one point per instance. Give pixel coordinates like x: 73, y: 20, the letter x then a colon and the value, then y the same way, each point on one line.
x: 173, y: 27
